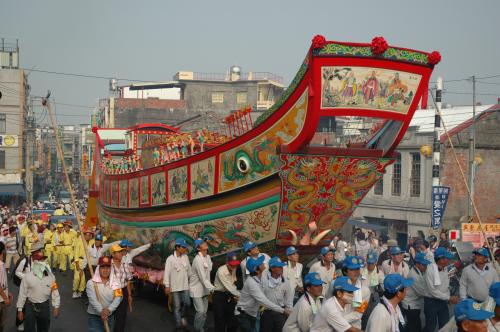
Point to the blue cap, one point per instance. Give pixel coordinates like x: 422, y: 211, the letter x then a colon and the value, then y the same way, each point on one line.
x: 126, y: 243
x: 325, y: 250
x: 276, y: 262
x: 254, y: 263
x: 313, y: 278
x: 98, y: 237
x: 290, y: 251
x: 442, y: 252
x: 420, y: 258
x: 396, y: 250
x: 342, y: 283
x: 372, y: 258
x: 181, y: 242
x: 198, y: 242
x: 495, y: 292
x: 483, y: 252
x: 352, y: 263
x: 395, y: 282
x: 470, y: 310
x: 249, y: 245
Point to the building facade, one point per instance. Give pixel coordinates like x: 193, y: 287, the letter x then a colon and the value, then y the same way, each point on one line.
x: 192, y: 100
x: 14, y: 89
x: 486, y: 183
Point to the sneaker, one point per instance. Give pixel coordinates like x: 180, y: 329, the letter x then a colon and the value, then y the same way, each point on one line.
x: 184, y: 322
x: 21, y: 327
x: 79, y: 294
x: 75, y: 295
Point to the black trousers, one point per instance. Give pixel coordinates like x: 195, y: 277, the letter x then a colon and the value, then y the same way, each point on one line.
x: 413, y: 323
x: 436, y: 313
x: 37, y: 317
x: 271, y: 321
x: 223, y: 308
x: 246, y: 322
x: 121, y: 312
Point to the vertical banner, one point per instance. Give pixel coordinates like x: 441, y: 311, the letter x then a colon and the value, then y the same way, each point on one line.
x: 439, y: 199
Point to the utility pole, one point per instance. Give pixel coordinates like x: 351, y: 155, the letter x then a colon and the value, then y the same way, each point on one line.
x: 29, y: 153
x: 472, y: 152
x: 436, y: 148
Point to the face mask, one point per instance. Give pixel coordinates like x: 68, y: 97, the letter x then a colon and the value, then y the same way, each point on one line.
x: 348, y: 298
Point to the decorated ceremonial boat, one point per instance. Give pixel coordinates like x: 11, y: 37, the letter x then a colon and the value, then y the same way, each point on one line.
x: 277, y: 179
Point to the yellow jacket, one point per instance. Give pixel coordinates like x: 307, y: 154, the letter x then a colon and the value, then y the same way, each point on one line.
x: 29, y: 240
x: 48, y: 238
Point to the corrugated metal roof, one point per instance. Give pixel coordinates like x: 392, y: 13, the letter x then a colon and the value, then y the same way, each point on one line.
x: 451, y: 117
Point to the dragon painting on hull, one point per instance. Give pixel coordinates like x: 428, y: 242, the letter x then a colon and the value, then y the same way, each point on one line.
x: 279, y: 182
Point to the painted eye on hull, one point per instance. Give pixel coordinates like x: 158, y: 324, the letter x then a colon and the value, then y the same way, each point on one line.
x: 243, y: 164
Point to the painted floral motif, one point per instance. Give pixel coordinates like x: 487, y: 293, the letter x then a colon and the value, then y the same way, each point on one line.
x: 373, y: 88
x: 202, y: 178
x: 260, y: 152
x: 134, y: 192
x: 158, y: 191
x: 144, y: 189
x: 324, y: 190
x: 123, y: 193
x: 223, y: 235
x: 365, y: 51
x: 177, y: 184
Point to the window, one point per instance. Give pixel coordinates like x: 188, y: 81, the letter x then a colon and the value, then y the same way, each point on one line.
x: 241, y: 98
x: 396, y: 176
x: 415, y: 175
x: 379, y: 186
x: 217, y: 97
x: 2, y: 159
x: 3, y: 123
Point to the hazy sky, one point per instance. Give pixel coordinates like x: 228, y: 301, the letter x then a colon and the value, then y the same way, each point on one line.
x: 151, y: 40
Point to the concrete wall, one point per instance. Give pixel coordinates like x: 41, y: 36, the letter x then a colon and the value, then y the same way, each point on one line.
x: 198, y: 95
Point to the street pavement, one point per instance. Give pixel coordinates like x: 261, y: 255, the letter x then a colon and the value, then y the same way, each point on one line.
x: 149, y: 312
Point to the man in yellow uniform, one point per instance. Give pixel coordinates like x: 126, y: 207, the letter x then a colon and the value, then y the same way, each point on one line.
x: 80, y: 262
x: 30, y: 236
x: 48, y: 238
x: 58, y: 244
x: 24, y: 231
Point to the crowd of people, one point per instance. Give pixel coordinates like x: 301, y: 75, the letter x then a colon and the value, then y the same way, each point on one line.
x: 368, y: 286
x: 371, y: 284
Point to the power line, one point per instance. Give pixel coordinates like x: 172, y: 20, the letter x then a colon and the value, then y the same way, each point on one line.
x: 89, y: 76
x: 470, y: 93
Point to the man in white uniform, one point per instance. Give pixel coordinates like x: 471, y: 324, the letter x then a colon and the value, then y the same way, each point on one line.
x: 307, y: 306
x: 336, y: 313
x: 325, y: 268
x: 387, y: 316
x: 292, y: 272
x: 251, y: 250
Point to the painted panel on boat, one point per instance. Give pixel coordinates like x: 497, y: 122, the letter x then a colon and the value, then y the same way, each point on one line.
x: 224, y: 234
x: 177, y: 185
x: 158, y: 191
x: 320, y: 192
x: 123, y: 193
x: 368, y: 88
x: 144, y: 190
x: 260, y: 153
x: 114, y: 193
x: 202, y: 178
x: 134, y: 192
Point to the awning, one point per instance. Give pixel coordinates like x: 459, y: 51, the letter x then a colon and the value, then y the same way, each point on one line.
x: 365, y: 225
x: 12, y: 190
